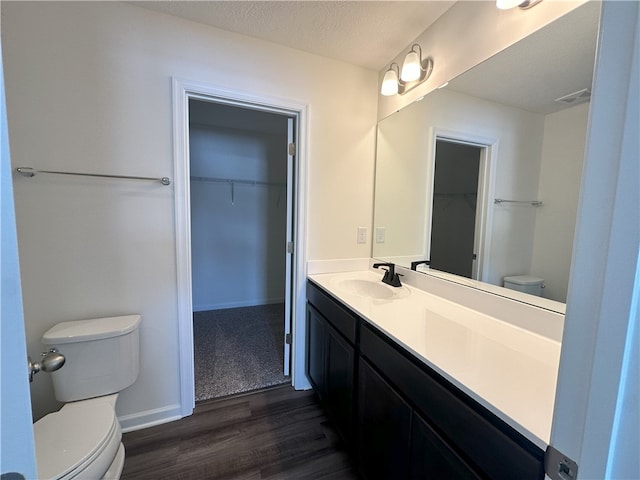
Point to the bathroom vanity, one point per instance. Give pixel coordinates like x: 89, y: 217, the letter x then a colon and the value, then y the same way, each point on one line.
x: 419, y: 386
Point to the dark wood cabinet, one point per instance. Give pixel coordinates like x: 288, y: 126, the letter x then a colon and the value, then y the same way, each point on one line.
x: 493, y: 448
x: 331, y: 359
x: 339, y: 382
x: 401, y: 418
x: 431, y: 457
x: 384, y: 428
x: 394, y: 441
x: 316, y: 351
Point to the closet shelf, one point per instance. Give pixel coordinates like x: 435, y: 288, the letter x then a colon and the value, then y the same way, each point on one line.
x: 232, y: 182
x: 236, y: 181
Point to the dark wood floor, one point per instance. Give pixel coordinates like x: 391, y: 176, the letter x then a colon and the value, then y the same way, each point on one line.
x: 278, y: 433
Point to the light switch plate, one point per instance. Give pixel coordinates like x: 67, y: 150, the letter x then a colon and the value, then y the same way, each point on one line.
x: 362, y: 235
x: 380, y: 234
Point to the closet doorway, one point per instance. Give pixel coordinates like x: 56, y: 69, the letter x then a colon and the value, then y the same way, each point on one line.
x: 457, y: 224
x: 241, y: 191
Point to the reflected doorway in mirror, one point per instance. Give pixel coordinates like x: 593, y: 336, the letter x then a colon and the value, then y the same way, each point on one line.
x: 459, y: 218
x: 453, y: 207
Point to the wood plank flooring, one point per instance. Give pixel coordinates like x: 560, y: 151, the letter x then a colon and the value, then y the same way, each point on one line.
x: 277, y: 433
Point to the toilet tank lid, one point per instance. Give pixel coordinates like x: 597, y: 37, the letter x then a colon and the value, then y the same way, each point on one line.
x: 93, y: 329
x: 524, y: 280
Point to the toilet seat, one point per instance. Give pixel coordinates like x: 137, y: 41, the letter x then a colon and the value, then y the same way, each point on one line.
x: 79, y: 441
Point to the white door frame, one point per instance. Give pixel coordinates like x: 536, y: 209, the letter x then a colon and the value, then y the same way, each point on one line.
x: 289, y: 254
x: 486, y: 183
x: 595, y: 413
x: 183, y: 90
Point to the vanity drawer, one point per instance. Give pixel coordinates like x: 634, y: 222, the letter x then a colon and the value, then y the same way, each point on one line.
x: 340, y: 318
x: 476, y: 434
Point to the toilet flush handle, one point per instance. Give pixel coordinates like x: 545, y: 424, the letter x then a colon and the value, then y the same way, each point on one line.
x: 50, y: 362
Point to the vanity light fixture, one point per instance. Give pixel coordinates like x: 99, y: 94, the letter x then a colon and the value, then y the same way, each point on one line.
x: 390, y: 81
x: 415, y: 70
x: 524, y: 5
x: 412, y: 67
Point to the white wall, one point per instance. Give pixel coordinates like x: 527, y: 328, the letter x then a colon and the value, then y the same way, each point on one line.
x: 238, y: 232
x: 89, y: 89
x: 560, y: 173
x: 402, y: 159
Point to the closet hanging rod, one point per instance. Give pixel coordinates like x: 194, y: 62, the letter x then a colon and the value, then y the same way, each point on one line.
x: 238, y: 181
x: 535, y: 203
x: 31, y: 172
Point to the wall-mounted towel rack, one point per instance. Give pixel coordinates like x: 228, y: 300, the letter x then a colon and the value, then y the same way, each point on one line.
x: 535, y: 203
x: 31, y: 172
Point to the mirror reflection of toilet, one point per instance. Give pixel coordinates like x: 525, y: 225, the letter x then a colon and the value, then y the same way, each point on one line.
x: 525, y: 283
x: 83, y: 440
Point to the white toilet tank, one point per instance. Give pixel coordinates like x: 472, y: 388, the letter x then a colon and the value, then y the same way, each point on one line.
x: 525, y: 283
x: 101, y: 356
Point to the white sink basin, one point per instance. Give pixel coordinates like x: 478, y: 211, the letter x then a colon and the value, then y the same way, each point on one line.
x: 371, y: 289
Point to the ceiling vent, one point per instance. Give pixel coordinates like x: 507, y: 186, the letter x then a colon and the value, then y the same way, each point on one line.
x: 575, y: 98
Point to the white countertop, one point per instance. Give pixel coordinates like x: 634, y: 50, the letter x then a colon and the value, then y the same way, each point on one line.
x: 508, y: 369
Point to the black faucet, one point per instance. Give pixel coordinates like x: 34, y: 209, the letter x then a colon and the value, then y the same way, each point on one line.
x: 414, y: 265
x: 390, y: 276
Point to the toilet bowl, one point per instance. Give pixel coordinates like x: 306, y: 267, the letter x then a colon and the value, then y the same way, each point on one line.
x: 83, y: 440
x: 79, y: 441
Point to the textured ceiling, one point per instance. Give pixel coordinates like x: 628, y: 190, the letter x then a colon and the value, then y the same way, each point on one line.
x: 365, y: 33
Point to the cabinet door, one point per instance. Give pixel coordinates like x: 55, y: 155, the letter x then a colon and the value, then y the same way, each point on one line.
x: 493, y: 447
x: 384, y: 428
x: 339, y: 382
x: 432, y: 458
x: 316, y: 350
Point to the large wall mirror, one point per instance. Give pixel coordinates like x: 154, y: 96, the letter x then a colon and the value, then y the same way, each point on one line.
x: 482, y: 176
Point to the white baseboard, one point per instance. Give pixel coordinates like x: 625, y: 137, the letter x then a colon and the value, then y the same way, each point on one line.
x: 302, y: 383
x: 149, y: 418
x: 244, y: 303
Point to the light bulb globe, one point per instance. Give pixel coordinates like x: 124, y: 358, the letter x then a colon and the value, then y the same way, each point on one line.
x: 411, y: 67
x: 389, y: 83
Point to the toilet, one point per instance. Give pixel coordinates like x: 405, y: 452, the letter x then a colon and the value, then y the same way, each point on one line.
x: 525, y: 283
x: 83, y: 440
